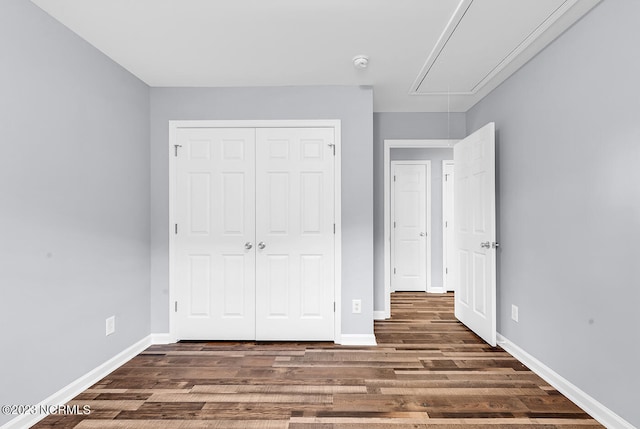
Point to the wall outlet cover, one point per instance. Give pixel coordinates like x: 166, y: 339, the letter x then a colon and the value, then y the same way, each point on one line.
x: 110, y: 325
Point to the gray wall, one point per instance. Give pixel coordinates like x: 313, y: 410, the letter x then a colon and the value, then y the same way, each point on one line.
x: 74, y: 206
x: 352, y: 105
x: 569, y: 204
x: 436, y: 156
x: 388, y: 126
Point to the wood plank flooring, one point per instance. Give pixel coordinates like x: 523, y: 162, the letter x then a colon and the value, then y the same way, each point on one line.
x: 428, y: 371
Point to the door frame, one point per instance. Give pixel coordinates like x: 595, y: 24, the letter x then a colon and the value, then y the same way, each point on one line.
x: 174, y: 126
x: 447, y: 163
x: 427, y: 165
x: 386, y: 159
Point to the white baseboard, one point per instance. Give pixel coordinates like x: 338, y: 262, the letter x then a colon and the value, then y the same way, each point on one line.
x: 358, y: 340
x: 379, y: 315
x: 78, y: 386
x: 162, y: 338
x: 591, y: 406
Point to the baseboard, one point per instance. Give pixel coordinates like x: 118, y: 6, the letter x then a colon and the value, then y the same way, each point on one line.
x: 162, y: 338
x: 358, y: 340
x: 78, y: 386
x: 379, y: 315
x: 436, y: 290
x: 591, y: 406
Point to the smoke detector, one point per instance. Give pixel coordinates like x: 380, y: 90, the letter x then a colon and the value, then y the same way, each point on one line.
x: 361, y: 61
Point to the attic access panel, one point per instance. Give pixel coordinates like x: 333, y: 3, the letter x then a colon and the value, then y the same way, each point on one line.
x: 482, y: 38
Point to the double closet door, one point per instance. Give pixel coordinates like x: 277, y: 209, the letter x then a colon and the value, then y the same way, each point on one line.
x: 254, y: 233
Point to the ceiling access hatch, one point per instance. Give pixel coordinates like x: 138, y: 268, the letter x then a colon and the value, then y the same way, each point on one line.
x: 485, y: 38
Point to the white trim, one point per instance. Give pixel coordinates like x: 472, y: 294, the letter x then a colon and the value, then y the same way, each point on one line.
x: 276, y: 123
x: 337, y: 210
x: 322, y: 123
x: 445, y: 163
x: 388, y: 145
x: 358, y: 340
x: 428, y: 287
x: 549, y: 29
x: 590, y: 405
x: 447, y: 32
x: 81, y: 384
x: 379, y: 315
x: 419, y: 143
x: 162, y: 338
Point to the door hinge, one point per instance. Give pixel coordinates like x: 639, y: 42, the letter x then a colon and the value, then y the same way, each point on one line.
x: 394, y: 178
x: 334, y: 306
x: 394, y: 223
x: 446, y: 177
x: 334, y: 228
x: 446, y: 224
x: 446, y: 270
x: 175, y: 149
x: 176, y: 228
x: 394, y: 270
x: 175, y: 307
x: 333, y: 147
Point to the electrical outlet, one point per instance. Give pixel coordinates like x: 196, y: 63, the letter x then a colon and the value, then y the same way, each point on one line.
x: 356, y: 306
x: 111, y: 325
x: 514, y: 312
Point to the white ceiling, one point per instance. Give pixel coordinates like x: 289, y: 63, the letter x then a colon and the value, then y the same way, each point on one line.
x: 425, y: 55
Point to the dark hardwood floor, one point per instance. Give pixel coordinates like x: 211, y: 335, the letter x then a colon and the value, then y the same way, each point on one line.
x: 428, y: 371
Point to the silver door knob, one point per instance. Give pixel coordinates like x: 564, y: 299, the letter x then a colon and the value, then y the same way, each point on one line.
x: 422, y: 234
x: 261, y: 245
x: 486, y: 245
x: 248, y: 245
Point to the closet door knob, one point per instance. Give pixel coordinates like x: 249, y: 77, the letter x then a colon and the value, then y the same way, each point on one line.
x: 261, y: 245
x: 248, y: 245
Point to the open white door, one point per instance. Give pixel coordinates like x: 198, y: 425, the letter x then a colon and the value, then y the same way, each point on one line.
x: 475, y: 232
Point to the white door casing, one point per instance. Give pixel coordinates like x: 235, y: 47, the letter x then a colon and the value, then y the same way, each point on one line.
x: 295, y: 237
x: 311, y: 263
x: 214, y: 217
x: 388, y: 145
x: 410, y: 235
x: 448, y: 238
x: 475, y: 232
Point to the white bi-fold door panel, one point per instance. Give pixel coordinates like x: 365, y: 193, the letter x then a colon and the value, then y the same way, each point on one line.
x: 254, y: 233
x: 214, y: 212
x: 295, y: 234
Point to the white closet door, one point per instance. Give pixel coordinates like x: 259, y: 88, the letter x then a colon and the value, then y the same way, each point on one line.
x: 409, y: 233
x: 215, y: 225
x: 294, y: 234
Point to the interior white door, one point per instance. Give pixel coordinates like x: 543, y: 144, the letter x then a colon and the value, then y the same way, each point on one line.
x: 409, y: 227
x: 475, y: 232
x: 448, y: 238
x: 295, y: 234
x: 214, y: 211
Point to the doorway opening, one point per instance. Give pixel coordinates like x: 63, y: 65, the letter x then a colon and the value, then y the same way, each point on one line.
x: 389, y: 146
